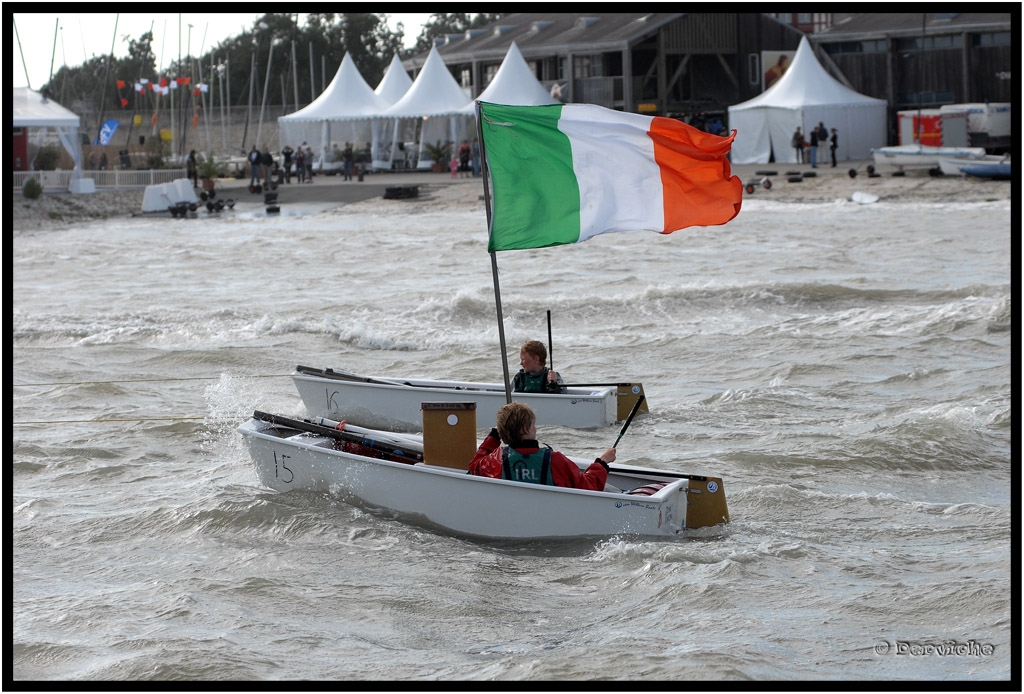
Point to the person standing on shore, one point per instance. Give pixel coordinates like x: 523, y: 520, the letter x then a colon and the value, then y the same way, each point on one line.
x: 266, y: 165
x: 254, y: 166
x: 822, y: 141
x: 193, y: 169
x: 814, y: 148
x: 286, y: 155
x: 834, y: 144
x: 476, y: 157
x: 798, y: 145
x: 346, y: 157
x: 300, y: 165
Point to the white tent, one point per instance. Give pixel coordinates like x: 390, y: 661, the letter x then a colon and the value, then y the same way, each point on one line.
x: 343, y: 113
x: 32, y: 110
x: 395, y: 83
x: 514, y: 84
x: 392, y: 87
x: 803, y: 97
x: 436, y: 99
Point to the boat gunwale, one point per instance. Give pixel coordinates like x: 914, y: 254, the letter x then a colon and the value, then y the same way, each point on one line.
x: 440, y: 387
x: 314, y: 443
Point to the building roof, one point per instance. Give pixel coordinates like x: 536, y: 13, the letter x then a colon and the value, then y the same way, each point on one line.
x: 544, y: 33
x: 879, y: 24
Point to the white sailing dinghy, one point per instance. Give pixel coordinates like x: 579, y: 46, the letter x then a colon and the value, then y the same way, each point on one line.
x: 394, y: 404
x: 424, y: 480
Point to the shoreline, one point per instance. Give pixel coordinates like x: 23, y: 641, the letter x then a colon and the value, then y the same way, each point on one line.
x: 825, y: 185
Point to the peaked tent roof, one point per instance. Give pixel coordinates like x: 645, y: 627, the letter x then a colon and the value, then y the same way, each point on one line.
x: 434, y: 93
x: 804, y: 97
x: 347, y: 96
x: 806, y: 83
x: 395, y: 83
x: 513, y: 84
x: 31, y: 110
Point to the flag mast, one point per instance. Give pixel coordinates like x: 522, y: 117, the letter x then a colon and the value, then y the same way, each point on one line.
x: 494, y: 257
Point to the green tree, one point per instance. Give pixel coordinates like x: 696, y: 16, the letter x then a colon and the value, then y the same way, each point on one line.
x: 365, y: 36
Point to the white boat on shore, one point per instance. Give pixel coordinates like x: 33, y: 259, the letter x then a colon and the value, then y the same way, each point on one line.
x: 996, y: 164
x: 395, y: 404
x: 398, y: 474
x: 922, y: 156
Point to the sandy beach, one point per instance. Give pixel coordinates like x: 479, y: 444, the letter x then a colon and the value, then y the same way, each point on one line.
x: 439, y: 190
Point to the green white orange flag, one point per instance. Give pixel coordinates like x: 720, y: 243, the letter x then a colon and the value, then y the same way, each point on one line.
x: 567, y: 172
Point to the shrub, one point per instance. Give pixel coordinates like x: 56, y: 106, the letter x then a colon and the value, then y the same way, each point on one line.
x: 209, y: 167
x: 440, y: 153
x: 48, y: 158
x: 32, y: 189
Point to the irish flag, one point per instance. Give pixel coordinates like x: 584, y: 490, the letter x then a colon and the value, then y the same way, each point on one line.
x: 566, y: 172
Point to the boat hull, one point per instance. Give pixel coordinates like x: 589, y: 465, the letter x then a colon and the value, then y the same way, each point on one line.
x: 922, y: 156
x: 466, y: 504
x: 996, y: 172
x: 396, y: 405
x: 987, y: 166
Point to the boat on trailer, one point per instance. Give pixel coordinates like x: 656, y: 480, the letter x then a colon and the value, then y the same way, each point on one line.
x: 424, y: 479
x: 394, y: 403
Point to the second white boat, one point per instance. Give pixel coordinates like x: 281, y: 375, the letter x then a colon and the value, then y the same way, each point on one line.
x: 396, y: 404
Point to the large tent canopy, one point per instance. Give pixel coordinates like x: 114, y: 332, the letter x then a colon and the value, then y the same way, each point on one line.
x: 435, y: 101
x: 343, y: 113
x: 513, y: 84
x: 804, y: 96
x: 33, y: 110
x: 395, y: 82
x: 393, y: 86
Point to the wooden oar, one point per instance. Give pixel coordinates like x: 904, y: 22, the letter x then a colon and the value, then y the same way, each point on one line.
x: 632, y: 413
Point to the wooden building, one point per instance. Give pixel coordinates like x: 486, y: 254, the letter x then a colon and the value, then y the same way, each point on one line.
x: 685, y: 63
x: 643, y: 62
x: 923, y: 60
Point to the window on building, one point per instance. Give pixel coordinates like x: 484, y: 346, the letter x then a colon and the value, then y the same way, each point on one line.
x: 489, y: 72
x: 929, y: 43
x: 871, y: 46
x: 1001, y: 38
x: 588, y: 66
x: 754, y: 68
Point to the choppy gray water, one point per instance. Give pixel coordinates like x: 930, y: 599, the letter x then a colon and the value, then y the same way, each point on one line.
x: 846, y: 369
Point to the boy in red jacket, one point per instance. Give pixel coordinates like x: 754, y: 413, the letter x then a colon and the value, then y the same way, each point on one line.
x: 523, y: 460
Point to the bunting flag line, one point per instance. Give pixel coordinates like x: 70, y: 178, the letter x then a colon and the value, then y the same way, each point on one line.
x: 567, y: 172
